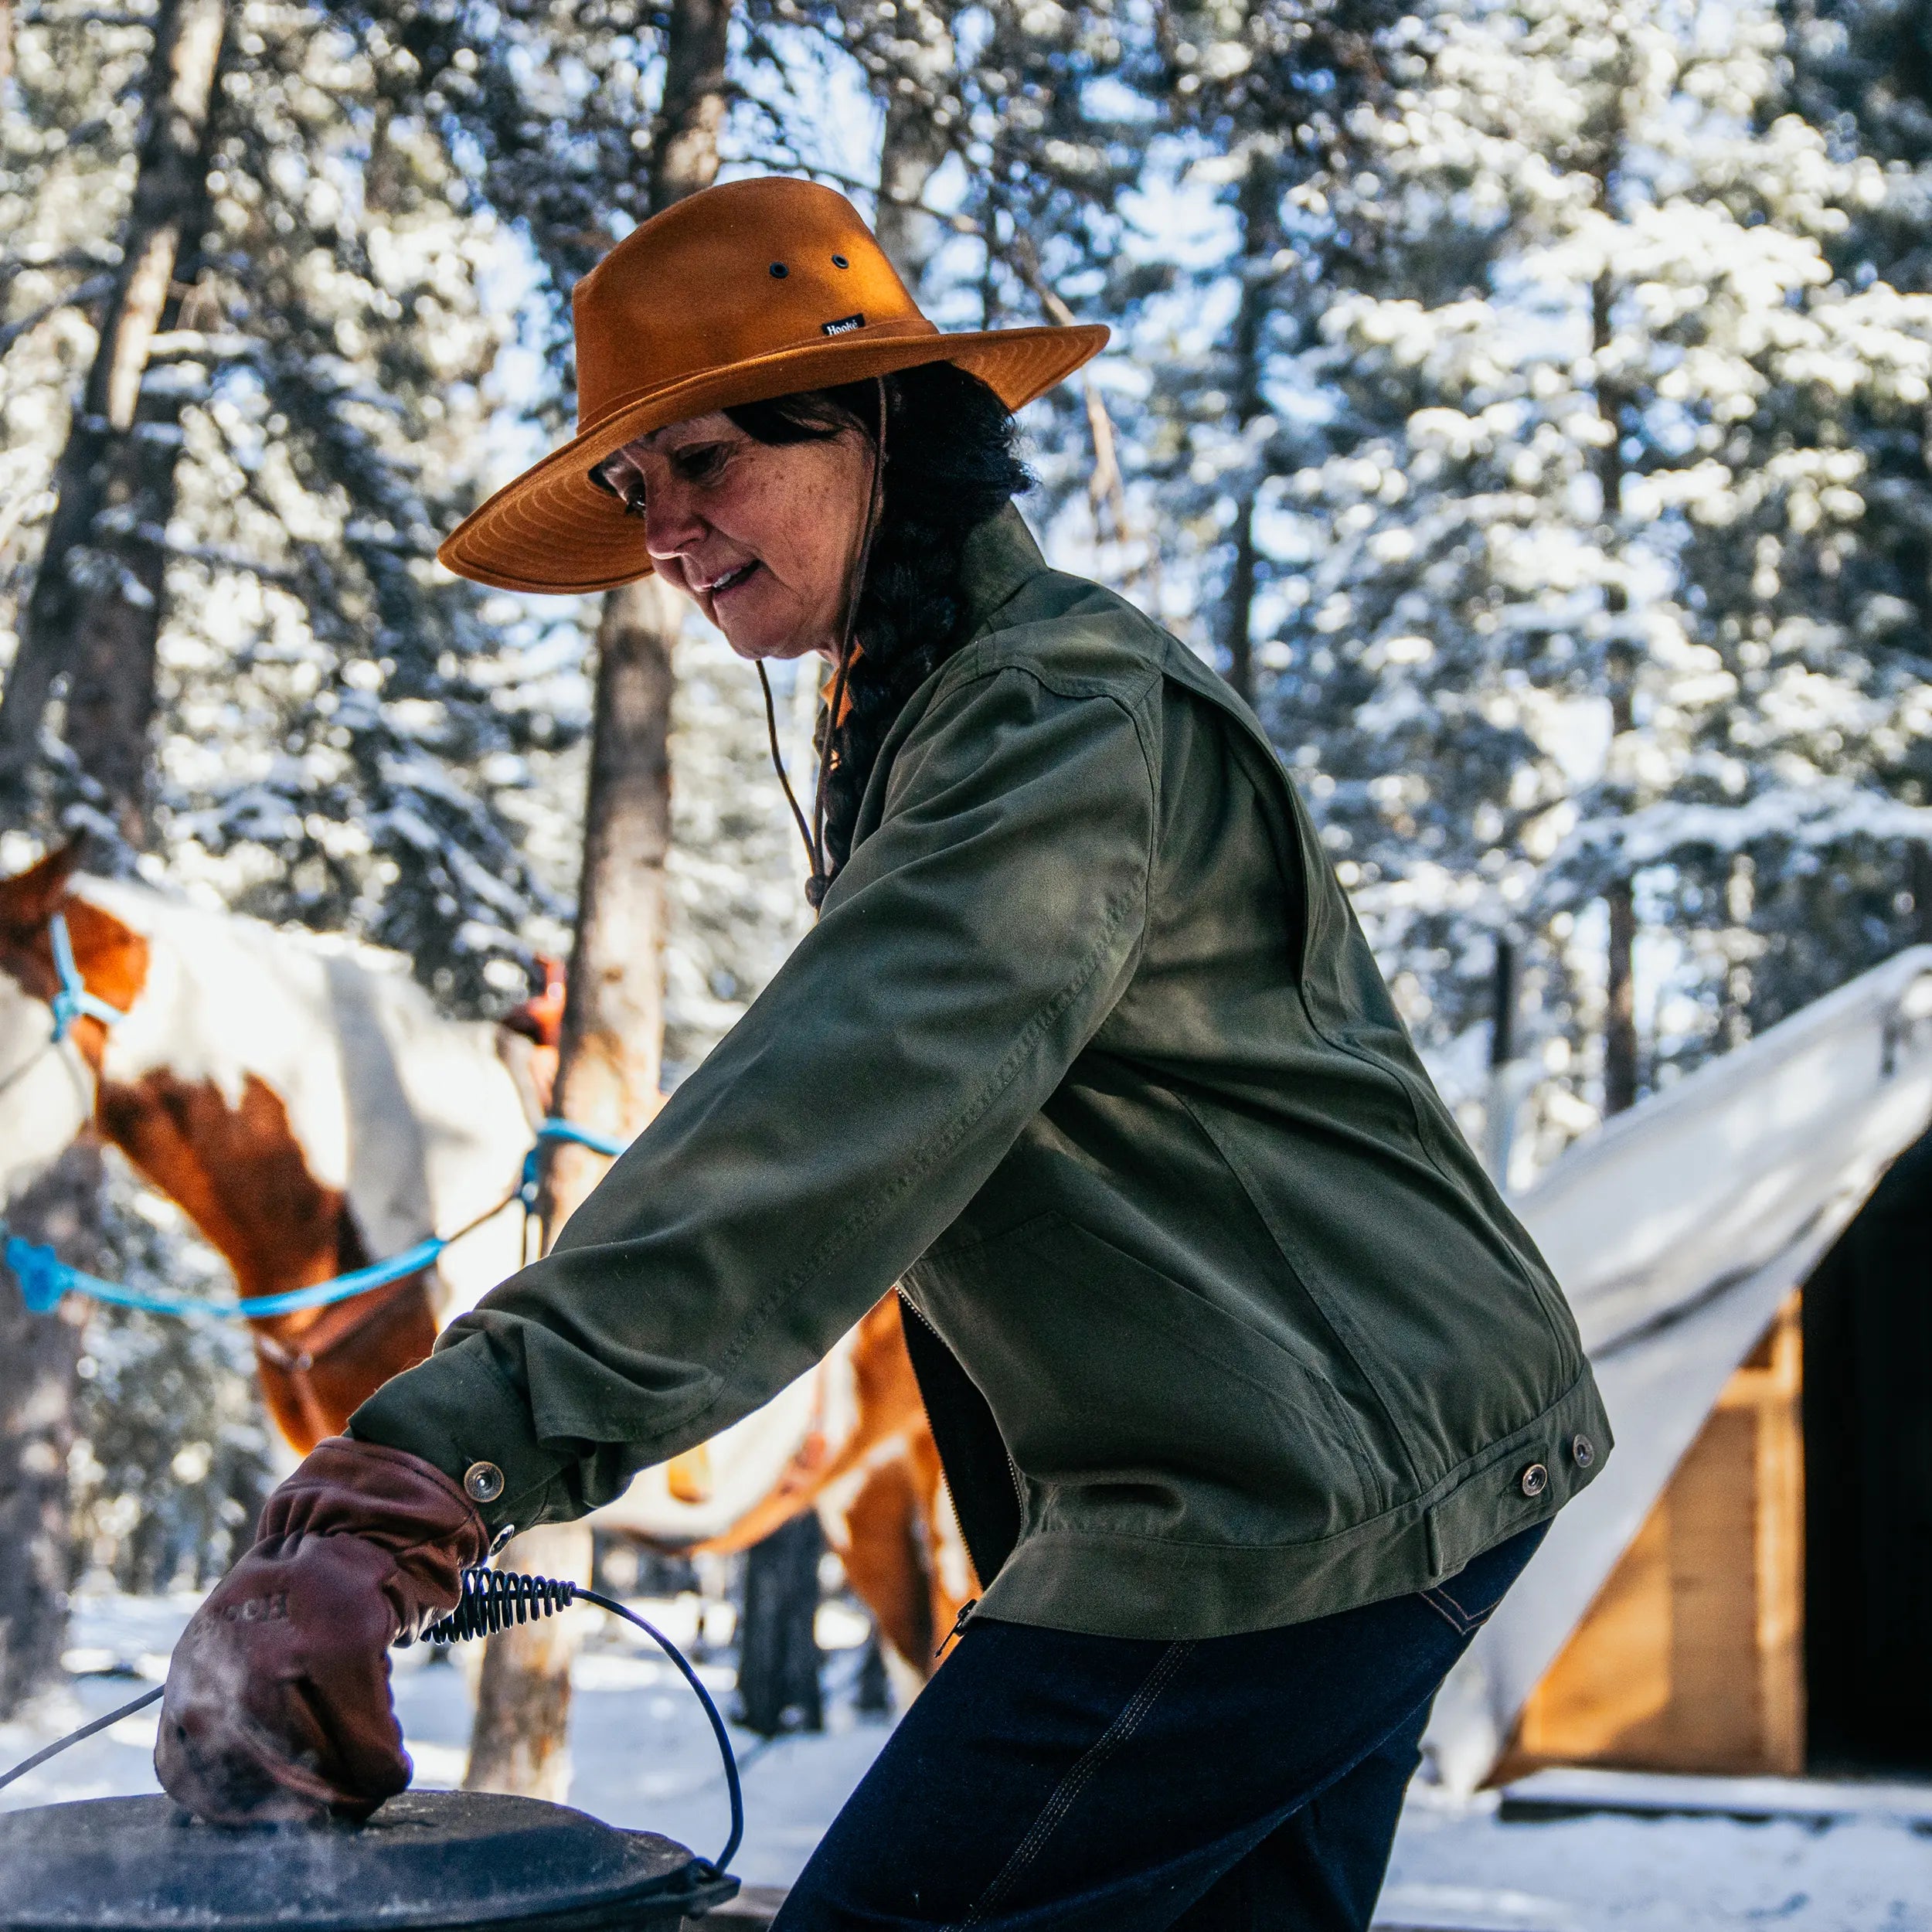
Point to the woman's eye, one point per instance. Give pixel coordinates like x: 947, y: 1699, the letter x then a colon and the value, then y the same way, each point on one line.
x: 625, y: 485
x: 700, y: 464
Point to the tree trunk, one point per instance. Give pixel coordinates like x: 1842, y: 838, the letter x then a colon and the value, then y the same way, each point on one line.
x: 39, y: 1355
x: 1260, y: 242
x: 1621, y: 1050
x: 111, y: 651
x: 1239, y: 640
x: 1619, y: 973
x: 613, y: 1010
x: 113, y: 461
x: 606, y: 1081
x: 614, y: 1007
x: 684, y: 145
x: 1620, y: 1017
x: 778, y: 1657
x: 913, y: 144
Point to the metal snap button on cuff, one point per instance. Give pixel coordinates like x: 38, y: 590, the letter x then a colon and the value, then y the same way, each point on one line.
x: 1536, y: 1479
x: 1582, y: 1451
x: 483, y: 1482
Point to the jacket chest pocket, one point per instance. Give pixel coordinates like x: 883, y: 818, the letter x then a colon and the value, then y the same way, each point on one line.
x: 1107, y: 1374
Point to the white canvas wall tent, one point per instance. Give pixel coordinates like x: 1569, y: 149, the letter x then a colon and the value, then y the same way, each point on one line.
x: 1678, y: 1230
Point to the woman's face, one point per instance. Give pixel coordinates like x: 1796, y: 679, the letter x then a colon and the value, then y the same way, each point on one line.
x: 759, y: 535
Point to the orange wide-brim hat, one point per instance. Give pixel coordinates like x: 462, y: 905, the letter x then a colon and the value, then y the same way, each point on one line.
x: 741, y: 293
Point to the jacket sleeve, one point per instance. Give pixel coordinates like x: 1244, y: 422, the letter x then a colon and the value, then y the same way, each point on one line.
x: 965, y: 956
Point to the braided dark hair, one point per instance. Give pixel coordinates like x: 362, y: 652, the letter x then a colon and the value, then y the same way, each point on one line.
x: 951, y: 463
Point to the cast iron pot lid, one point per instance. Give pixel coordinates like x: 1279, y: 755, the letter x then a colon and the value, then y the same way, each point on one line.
x: 426, y: 1859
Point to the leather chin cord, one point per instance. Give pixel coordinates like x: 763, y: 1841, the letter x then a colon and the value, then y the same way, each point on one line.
x: 814, y: 835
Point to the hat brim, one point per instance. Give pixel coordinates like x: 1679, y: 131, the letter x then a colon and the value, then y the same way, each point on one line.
x: 553, y: 530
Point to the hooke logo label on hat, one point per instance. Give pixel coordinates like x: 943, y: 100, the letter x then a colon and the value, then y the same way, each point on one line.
x: 845, y: 324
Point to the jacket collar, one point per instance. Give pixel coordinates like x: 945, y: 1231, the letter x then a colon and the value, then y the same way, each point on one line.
x: 1000, y: 559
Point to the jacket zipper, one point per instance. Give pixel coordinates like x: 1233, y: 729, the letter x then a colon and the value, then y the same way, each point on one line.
x: 959, y: 1623
x: 1013, y: 1468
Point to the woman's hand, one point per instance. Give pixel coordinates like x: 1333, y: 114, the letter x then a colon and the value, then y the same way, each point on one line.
x: 278, y: 1695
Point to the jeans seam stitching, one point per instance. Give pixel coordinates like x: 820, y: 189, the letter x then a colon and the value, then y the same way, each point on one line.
x: 1070, y: 1788
x: 1449, y: 1612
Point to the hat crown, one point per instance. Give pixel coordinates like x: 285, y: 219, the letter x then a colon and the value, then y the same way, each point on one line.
x: 746, y: 270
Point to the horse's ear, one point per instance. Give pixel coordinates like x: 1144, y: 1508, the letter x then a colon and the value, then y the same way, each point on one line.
x: 27, y: 900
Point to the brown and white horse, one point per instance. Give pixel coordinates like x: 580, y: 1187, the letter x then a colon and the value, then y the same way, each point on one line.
x: 306, y: 1106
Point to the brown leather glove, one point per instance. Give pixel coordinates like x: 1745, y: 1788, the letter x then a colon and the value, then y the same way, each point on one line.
x: 278, y: 1702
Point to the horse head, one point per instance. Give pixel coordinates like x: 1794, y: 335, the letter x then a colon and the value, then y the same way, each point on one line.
x: 146, y: 1020
x: 51, y: 1049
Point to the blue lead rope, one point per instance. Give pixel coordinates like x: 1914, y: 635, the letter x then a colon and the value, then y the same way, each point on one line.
x: 44, y: 1277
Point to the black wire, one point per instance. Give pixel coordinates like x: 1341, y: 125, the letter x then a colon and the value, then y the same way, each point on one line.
x: 140, y: 1703
x: 492, y: 1600
x: 778, y: 766
x: 721, y: 1862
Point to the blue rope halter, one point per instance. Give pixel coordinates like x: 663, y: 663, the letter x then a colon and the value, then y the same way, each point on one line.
x: 553, y: 1130
x: 72, y: 1001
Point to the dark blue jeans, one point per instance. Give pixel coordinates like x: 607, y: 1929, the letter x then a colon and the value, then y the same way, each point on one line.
x: 1045, y: 1781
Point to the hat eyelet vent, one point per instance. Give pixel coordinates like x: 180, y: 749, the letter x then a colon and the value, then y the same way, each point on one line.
x: 779, y: 271
x: 839, y: 261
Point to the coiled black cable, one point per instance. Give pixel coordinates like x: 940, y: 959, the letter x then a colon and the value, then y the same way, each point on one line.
x: 492, y: 1600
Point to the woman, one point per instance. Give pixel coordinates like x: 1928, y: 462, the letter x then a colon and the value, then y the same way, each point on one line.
x: 1253, y: 1397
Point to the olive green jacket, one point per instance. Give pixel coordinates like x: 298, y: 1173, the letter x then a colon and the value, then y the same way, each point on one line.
x: 1087, y: 1050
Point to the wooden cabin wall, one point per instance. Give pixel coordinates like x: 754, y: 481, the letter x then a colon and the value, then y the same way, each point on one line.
x: 1691, y: 1657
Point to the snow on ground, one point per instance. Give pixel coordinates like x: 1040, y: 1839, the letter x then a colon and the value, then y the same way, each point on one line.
x: 644, y: 1755
x: 1456, y: 1865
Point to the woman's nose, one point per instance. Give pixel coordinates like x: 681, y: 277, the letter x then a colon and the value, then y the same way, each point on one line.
x: 671, y: 525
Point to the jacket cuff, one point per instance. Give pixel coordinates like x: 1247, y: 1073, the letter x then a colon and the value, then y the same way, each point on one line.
x: 461, y: 1414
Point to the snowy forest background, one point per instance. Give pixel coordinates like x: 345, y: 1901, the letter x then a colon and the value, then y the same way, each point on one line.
x: 1525, y: 405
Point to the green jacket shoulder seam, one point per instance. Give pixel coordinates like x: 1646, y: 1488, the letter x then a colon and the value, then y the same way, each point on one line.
x: 970, y: 668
